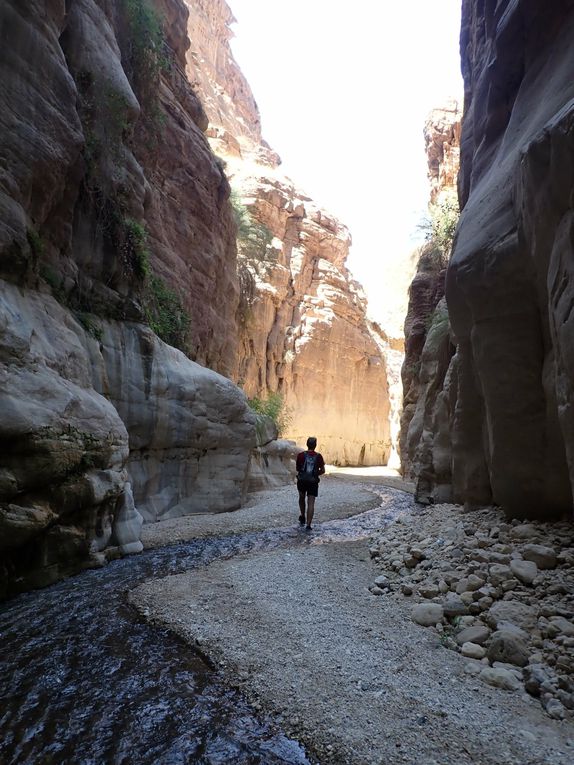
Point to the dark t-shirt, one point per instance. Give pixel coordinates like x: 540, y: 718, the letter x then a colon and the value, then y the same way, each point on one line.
x: 301, y: 460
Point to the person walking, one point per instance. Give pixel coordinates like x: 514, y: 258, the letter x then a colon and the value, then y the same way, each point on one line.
x: 310, y: 465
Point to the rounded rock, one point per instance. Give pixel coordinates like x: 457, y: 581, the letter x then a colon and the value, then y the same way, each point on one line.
x: 427, y: 614
x: 472, y: 651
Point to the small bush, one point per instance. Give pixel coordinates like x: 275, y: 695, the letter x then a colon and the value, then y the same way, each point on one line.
x: 36, y: 243
x: 440, y: 227
x: 253, y: 238
x: 133, y: 247
x: 145, y: 52
x: 164, y: 313
x: 274, y: 407
x: 247, y: 291
x: 90, y: 325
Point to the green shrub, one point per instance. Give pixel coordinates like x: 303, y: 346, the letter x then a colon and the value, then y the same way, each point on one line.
x: 253, y: 238
x: 439, y: 228
x: 145, y: 52
x: 164, y: 312
x: 274, y: 407
x: 36, y: 243
x: 133, y: 247
x: 90, y: 325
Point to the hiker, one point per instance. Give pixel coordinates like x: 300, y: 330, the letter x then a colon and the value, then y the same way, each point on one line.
x: 310, y: 465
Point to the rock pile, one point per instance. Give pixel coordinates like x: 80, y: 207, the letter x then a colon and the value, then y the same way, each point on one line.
x: 500, y: 593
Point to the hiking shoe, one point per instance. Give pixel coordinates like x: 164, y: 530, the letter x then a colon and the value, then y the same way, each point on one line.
x: 308, y: 528
x: 302, y: 520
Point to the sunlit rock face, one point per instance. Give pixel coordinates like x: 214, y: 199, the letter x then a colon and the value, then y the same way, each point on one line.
x: 308, y: 336
x: 442, y: 146
x: 509, y: 285
x: 101, y: 423
x: 303, y: 332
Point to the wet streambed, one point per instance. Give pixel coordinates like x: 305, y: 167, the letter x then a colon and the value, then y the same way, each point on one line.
x: 83, y: 680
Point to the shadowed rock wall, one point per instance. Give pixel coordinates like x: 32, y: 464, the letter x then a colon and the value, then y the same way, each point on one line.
x: 509, y: 282
x: 426, y: 456
x: 111, y: 204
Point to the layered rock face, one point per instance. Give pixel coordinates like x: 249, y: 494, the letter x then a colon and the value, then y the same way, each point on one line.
x: 307, y: 336
x: 509, y: 282
x: 103, y: 148
x: 426, y: 455
x: 304, y: 331
x: 442, y: 146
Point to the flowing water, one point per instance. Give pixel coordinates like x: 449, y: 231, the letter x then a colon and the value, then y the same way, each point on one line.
x: 83, y: 681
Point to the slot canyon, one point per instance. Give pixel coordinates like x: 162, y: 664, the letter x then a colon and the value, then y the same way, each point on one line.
x: 178, y: 315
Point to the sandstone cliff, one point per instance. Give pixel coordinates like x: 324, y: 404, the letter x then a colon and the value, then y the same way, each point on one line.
x: 508, y: 288
x: 428, y: 346
x: 303, y: 326
x: 103, y: 148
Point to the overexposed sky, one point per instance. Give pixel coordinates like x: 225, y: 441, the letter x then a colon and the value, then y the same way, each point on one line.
x: 344, y: 89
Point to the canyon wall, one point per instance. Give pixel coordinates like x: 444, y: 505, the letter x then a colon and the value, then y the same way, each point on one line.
x: 428, y: 346
x: 509, y: 283
x: 303, y: 326
x: 103, y: 148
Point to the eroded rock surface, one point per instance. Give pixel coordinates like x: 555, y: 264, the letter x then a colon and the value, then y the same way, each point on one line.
x: 272, y: 462
x: 428, y: 377
x: 103, y: 148
x: 304, y: 331
x: 509, y: 281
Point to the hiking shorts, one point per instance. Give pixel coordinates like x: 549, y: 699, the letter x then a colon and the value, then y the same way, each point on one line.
x: 310, y: 489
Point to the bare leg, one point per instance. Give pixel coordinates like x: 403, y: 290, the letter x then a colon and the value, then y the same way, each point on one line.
x: 310, y: 509
x: 302, y: 504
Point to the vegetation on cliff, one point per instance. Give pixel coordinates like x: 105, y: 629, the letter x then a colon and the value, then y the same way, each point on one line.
x: 273, y: 406
x: 440, y: 226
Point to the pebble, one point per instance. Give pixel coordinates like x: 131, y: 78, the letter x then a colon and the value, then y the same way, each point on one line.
x: 508, y: 647
x: 504, y: 609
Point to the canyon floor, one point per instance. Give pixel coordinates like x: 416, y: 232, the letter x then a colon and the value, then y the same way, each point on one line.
x: 347, y: 673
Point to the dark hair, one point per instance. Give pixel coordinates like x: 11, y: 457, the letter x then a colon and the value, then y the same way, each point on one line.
x: 311, y: 442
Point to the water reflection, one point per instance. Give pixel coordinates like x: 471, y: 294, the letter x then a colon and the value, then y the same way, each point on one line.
x: 84, y: 681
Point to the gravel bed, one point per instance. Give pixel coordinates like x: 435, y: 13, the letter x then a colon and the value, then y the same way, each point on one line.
x: 338, y: 498
x: 347, y: 672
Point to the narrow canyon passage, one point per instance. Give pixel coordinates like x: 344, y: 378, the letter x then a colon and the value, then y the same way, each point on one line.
x: 84, y: 680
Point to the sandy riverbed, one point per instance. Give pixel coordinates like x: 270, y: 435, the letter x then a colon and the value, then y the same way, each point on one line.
x: 347, y: 673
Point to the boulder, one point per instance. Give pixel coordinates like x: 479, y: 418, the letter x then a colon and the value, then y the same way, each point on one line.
x: 427, y: 614
x: 476, y: 634
x: 507, y: 647
x: 524, y: 570
x: 564, y: 626
x: 544, y: 557
x: 454, y: 606
x: 512, y: 611
x: 500, y: 678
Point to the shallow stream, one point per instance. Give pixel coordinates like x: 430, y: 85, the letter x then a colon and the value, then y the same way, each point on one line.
x: 83, y: 681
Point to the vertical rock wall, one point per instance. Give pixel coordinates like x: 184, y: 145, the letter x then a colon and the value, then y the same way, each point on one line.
x: 111, y: 201
x: 304, y: 331
x: 428, y: 346
x: 509, y: 282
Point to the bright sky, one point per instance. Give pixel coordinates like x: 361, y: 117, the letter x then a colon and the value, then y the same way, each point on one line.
x: 344, y: 89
